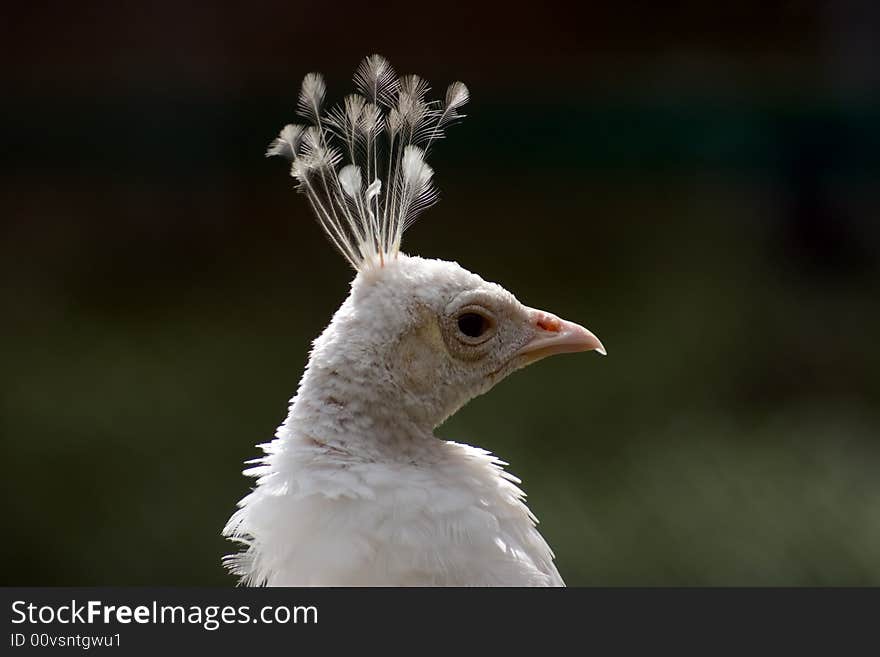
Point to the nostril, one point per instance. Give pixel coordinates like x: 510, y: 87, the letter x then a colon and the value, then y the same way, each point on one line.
x: 550, y: 323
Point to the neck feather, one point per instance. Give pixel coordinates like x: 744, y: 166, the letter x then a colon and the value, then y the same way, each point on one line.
x: 353, y: 408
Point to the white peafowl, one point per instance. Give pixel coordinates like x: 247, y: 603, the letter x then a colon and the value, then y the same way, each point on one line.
x: 355, y: 489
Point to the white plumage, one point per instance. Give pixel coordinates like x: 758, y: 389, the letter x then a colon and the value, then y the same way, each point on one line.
x: 356, y: 489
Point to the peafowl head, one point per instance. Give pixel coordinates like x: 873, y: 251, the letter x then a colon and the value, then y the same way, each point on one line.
x: 422, y: 336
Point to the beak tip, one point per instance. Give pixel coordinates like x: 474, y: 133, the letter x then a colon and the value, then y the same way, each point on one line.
x: 558, y: 336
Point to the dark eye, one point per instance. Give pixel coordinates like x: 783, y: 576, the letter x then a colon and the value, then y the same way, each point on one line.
x: 473, y: 325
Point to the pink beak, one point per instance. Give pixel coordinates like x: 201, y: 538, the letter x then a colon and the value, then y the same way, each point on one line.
x: 557, y: 336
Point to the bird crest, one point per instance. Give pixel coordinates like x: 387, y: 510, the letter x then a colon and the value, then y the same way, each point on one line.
x: 362, y: 164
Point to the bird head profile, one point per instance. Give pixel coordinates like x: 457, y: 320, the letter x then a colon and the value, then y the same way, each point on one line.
x: 421, y: 337
x: 415, y: 340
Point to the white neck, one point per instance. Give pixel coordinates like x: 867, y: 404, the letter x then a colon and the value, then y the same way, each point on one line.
x: 370, y: 387
x: 349, y: 399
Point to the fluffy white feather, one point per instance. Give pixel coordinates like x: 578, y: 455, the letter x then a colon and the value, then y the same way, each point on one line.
x: 287, y: 142
x: 350, y: 179
x: 311, y: 97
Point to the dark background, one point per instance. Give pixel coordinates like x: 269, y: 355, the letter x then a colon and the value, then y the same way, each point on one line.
x: 696, y: 183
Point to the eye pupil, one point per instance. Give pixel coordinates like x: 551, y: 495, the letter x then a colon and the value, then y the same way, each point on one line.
x: 472, y: 325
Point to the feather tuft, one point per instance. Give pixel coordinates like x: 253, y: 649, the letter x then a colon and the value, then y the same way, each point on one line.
x: 414, y: 86
x: 311, y: 96
x: 457, y: 94
x: 350, y: 179
x: 416, y: 171
x: 374, y: 189
x: 376, y: 80
x: 381, y: 134
x: 287, y: 142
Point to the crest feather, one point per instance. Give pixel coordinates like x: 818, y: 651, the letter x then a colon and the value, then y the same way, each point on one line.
x: 380, y: 137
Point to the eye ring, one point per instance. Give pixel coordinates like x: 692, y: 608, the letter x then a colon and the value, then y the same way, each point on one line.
x: 474, y: 325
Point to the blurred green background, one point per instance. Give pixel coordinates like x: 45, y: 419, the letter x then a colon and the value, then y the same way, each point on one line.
x: 698, y: 185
